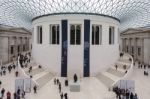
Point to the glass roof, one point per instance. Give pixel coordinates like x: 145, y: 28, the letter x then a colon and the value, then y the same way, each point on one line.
x: 131, y: 13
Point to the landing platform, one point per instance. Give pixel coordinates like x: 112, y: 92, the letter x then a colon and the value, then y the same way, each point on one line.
x: 74, y: 86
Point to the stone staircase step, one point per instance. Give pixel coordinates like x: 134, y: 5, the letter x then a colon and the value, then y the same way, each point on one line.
x: 119, y: 69
x: 115, y: 72
x: 120, y: 65
x: 39, y: 75
x: 35, y: 71
x: 27, y: 68
x: 44, y: 79
x: 105, y: 80
x: 123, y: 63
x: 111, y: 76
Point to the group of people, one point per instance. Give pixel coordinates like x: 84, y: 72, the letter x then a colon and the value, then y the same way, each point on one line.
x: 124, y: 67
x: 8, y: 94
x: 124, y: 94
x: 58, y: 83
x: 145, y: 67
x: 3, y: 69
x: 19, y: 94
x: 3, y: 72
x: 24, y: 59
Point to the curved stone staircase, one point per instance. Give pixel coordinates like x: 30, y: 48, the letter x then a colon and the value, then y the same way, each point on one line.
x: 39, y: 75
x: 111, y: 75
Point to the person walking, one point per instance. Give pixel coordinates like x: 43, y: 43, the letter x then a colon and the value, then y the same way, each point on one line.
x: 75, y: 78
x: 66, y: 96
x: 57, y: 81
x: 0, y: 83
x: 18, y: 91
x: 16, y: 73
x: 54, y: 81
x: 23, y: 94
x: 15, y: 95
x: 61, y: 95
x: 59, y: 87
x: 2, y: 92
x: 8, y: 95
x: 66, y: 82
x: 116, y: 67
x: 35, y: 89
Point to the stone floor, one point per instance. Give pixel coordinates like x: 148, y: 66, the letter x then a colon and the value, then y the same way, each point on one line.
x: 142, y: 83
x: 91, y: 88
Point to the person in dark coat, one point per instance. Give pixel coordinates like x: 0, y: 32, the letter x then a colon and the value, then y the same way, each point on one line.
x: 16, y: 73
x: 135, y: 96
x: 4, y: 72
x: 54, y: 81
x: 0, y: 83
x: 61, y: 95
x: 23, y: 94
x: 2, y: 92
x: 30, y: 69
x: 8, y: 95
x: 116, y: 66
x: 18, y: 96
x: 75, y: 78
x: 35, y: 89
x: 131, y: 95
x: 66, y: 96
x: 57, y: 81
x: 59, y: 87
x: 18, y: 91
x: 9, y: 68
x: 14, y: 66
x: 15, y: 96
x: 66, y: 82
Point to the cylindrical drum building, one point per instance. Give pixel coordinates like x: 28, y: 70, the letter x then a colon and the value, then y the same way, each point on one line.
x: 82, y: 43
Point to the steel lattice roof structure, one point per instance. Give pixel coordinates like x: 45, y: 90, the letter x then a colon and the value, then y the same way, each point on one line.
x: 131, y: 13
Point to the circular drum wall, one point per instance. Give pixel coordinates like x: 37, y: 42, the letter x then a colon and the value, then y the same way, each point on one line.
x: 85, y: 44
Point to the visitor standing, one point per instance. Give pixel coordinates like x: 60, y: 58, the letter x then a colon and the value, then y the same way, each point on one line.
x: 61, y: 95
x: 59, y: 87
x: 66, y: 96
x: 2, y: 92
x: 8, y: 95
x: 75, y: 78
x: 35, y: 89
x: 54, y: 81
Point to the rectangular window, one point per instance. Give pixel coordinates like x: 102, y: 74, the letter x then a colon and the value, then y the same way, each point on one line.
x: 132, y: 50
x: 96, y: 34
x: 39, y: 34
x: 111, y: 35
x: 54, y: 34
x: 11, y: 50
x: 127, y: 49
x: 24, y: 47
x: 139, y: 51
x: 75, y: 34
x: 18, y: 48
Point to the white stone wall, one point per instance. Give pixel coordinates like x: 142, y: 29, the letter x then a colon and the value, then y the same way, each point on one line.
x: 147, y: 50
x: 4, y: 49
x: 101, y: 56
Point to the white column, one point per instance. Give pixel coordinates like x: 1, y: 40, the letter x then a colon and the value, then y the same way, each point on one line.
x: 142, y: 50
x: 135, y: 48
x: 1, y: 62
x: 129, y: 46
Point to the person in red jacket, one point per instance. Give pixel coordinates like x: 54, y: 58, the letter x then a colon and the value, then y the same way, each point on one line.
x: 8, y: 95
